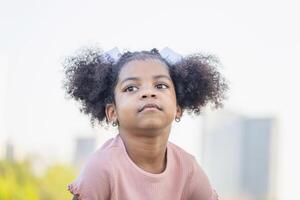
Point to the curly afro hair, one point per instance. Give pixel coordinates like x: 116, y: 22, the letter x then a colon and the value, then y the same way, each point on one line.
x: 91, y: 77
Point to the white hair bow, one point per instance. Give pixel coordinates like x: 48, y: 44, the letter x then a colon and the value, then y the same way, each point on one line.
x: 168, y: 54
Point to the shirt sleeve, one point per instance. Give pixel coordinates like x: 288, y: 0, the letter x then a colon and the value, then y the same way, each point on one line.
x: 199, y: 185
x: 93, y: 182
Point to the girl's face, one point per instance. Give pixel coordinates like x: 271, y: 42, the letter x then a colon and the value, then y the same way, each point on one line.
x: 143, y: 82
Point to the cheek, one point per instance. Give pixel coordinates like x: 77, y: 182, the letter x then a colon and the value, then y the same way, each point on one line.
x: 174, y: 100
x: 170, y: 102
x: 125, y: 106
x: 173, y: 97
x: 174, y: 106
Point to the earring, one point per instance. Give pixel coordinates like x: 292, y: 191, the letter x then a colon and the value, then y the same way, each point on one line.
x: 177, y: 119
x: 114, y: 123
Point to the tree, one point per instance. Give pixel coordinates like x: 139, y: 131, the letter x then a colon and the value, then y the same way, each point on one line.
x: 18, y: 182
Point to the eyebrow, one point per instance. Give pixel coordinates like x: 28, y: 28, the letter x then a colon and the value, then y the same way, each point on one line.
x: 137, y: 78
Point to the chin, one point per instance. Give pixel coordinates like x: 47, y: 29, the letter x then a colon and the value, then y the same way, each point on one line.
x: 153, y: 124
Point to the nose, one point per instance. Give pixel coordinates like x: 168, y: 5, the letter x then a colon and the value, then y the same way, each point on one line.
x: 147, y: 92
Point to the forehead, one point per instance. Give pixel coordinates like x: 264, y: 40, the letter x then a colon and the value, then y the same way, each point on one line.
x: 143, y: 69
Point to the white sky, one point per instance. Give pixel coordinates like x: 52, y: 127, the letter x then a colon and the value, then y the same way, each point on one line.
x: 257, y: 41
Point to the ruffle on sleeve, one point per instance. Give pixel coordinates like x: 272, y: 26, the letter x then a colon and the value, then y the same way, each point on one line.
x: 74, y: 189
x: 214, y: 195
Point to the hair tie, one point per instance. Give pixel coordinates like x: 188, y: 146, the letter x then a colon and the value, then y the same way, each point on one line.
x: 112, y: 55
x: 171, y: 56
x: 168, y: 54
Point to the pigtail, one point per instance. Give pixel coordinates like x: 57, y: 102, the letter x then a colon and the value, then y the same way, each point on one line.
x: 197, y: 82
x: 88, y: 80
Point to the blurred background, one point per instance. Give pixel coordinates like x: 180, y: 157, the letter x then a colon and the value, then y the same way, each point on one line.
x: 249, y: 148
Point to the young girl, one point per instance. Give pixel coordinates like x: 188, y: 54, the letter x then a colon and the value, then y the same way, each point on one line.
x: 142, y: 93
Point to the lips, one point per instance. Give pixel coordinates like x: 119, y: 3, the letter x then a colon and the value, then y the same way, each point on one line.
x: 150, y: 105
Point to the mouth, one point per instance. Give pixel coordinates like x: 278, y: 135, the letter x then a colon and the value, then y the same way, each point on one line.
x: 150, y: 107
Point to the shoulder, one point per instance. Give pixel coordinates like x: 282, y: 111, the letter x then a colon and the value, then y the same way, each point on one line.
x: 198, y: 185
x: 186, y: 160
x: 97, y: 172
x: 181, y: 155
x: 101, y: 158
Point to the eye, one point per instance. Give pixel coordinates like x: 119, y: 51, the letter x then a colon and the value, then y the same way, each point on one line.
x: 130, y: 89
x: 162, y: 86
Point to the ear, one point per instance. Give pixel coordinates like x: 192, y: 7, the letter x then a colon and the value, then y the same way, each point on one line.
x: 178, y: 111
x: 111, y: 112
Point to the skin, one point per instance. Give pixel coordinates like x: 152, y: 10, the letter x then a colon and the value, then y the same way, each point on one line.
x: 145, y: 134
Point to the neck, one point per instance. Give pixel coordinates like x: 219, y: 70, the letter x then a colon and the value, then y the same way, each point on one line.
x: 147, y: 149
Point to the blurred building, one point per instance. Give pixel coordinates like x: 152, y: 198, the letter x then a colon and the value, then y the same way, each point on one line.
x: 239, y: 155
x: 9, y: 151
x: 84, y: 147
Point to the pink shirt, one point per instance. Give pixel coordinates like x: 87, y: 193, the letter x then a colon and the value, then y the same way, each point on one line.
x: 110, y: 174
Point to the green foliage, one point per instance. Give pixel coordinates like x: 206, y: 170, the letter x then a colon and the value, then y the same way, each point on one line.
x: 54, y: 183
x: 18, y: 182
